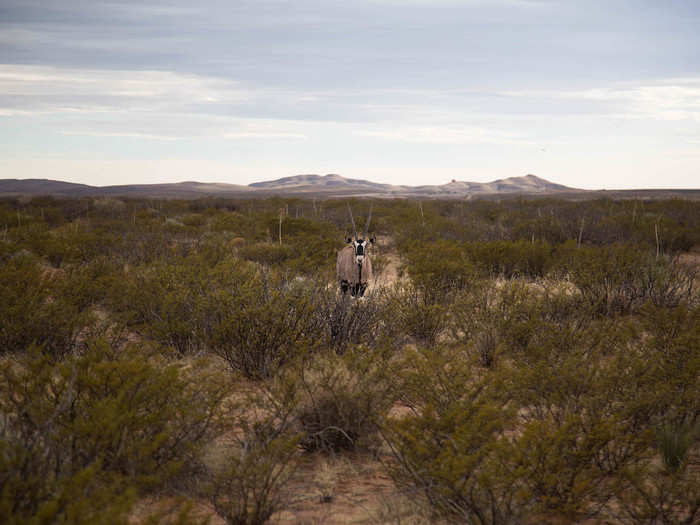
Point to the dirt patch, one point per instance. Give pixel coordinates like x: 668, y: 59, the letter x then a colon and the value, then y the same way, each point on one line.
x: 389, y: 274
x: 335, y: 490
x: 339, y: 489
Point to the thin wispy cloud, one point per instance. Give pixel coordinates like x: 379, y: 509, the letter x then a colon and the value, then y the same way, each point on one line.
x: 49, y: 89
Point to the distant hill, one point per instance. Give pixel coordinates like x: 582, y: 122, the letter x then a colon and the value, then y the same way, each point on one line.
x: 335, y: 184
x: 331, y: 181
x: 326, y: 186
x: 42, y: 187
x: 183, y: 190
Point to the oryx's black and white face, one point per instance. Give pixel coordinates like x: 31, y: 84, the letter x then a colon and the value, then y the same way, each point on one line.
x: 360, y: 247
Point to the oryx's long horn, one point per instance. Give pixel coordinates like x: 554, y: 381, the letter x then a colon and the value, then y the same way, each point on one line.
x: 352, y: 220
x: 369, y: 219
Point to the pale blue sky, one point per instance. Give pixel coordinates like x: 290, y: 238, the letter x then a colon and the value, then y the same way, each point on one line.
x: 590, y: 94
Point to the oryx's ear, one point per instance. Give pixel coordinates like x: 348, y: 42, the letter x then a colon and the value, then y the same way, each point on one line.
x: 372, y: 240
x: 348, y: 240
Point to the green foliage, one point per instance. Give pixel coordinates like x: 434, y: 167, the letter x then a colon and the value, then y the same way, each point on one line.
x: 436, y: 267
x: 39, y: 307
x: 579, y: 403
x: 104, y: 423
x: 508, y: 319
x: 418, y: 314
x: 164, y: 301
x: 447, y: 450
x: 246, y: 482
x: 619, y: 279
x: 308, y: 247
x: 675, y: 441
x: 32, y: 495
x: 347, y: 321
x: 247, y: 490
x: 510, y: 259
x: 484, y: 318
x: 341, y: 399
x: 257, y: 326
x: 658, y: 498
x: 269, y: 254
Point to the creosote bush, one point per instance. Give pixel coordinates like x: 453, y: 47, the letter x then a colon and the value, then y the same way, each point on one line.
x: 620, y: 279
x: 447, y: 450
x: 107, y: 423
x: 253, y: 319
x: 40, y: 307
x: 341, y: 399
x: 418, y: 313
x: 246, y: 479
x: 248, y: 488
x: 259, y: 325
x: 347, y: 321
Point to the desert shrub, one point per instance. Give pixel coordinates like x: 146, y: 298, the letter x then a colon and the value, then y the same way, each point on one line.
x: 308, y: 247
x: 246, y: 478
x: 664, y: 492
x: 510, y: 259
x: 663, y: 485
x: 248, y: 488
x: 619, y: 279
x: 41, y: 307
x: 418, y: 313
x: 447, y: 450
x: 487, y: 319
x: 194, y: 220
x: 30, y: 492
x: 670, y: 343
x: 74, y: 243
x: 435, y: 377
x: 259, y: 324
x: 575, y: 407
x: 341, y: 399
x: 7, y: 250
x: 250, y: 318
x: 437, y: 267
x: 490, y: 320
x: 32, y: 236
x: 589, y: 403
x: 268, y: 254
x: 674, y: 441
x: 347, y: 321
x: 232, y: 222
x: 162, y: 302
x: 107, y: 422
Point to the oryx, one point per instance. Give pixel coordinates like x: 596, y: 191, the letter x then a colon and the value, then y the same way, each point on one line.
x: 354, y: 265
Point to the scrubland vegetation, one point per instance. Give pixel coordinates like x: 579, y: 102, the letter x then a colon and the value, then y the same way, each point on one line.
x: 535, y: 361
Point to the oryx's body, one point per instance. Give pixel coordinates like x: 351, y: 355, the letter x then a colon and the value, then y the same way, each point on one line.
x: 350, y: 271
x: 354, y: 265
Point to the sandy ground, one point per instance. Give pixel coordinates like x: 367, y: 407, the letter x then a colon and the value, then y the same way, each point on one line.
x: 342, y: 489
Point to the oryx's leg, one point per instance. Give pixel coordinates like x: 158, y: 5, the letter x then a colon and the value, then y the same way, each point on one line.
x: 361, y: 289
x: 344, y: 285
